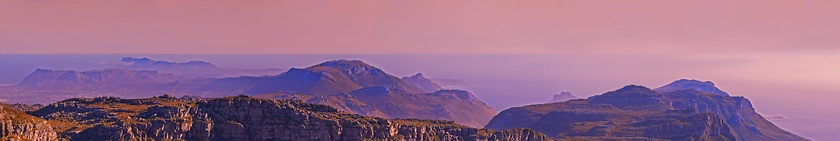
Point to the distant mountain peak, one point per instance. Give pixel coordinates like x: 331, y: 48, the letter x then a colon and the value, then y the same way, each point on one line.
x: 562, y: 97
x: 692, y: 80
x: 192, y: 69
x: 422, y: 82
x: 347, y: 66
x: 333, y: 77
x: 132, y: 59
x: 61, y: 79
x: 344, y: 64
x: 146, y: 62
x: 684, y: 84
x: 634, y: 88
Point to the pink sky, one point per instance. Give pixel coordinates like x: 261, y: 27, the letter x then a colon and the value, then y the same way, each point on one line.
x: 418, y: 27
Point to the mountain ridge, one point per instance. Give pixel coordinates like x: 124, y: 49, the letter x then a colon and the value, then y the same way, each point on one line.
x: 332, y: 77
x: 192, y: 68
x: 634, y: 111
x: 146, y: 62
x: 683, y: 84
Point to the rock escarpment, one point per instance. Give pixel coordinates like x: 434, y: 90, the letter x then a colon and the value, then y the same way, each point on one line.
x: 16, y: 125
x: 247, y: 118
x: 635, y: 111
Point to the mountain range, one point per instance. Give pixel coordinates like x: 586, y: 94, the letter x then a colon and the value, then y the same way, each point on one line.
x: 190, y: 68
x: 349, y: 85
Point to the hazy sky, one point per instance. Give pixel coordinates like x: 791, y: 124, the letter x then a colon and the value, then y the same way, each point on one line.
x: 417, y: 27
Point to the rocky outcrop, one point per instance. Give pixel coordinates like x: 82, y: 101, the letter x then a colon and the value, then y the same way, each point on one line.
x: 636, y: 112
x: 248, y: 118
x: 16, y: 125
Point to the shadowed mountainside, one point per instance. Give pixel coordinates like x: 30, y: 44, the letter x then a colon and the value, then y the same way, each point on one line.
x: 636, y: 111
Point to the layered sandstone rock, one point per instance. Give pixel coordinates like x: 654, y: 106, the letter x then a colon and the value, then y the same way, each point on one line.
x: 16, y: 125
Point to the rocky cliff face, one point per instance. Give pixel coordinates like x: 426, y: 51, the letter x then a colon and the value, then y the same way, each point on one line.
x: 635, y: 111
x: 246, y: 118
x: 16, y: 125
